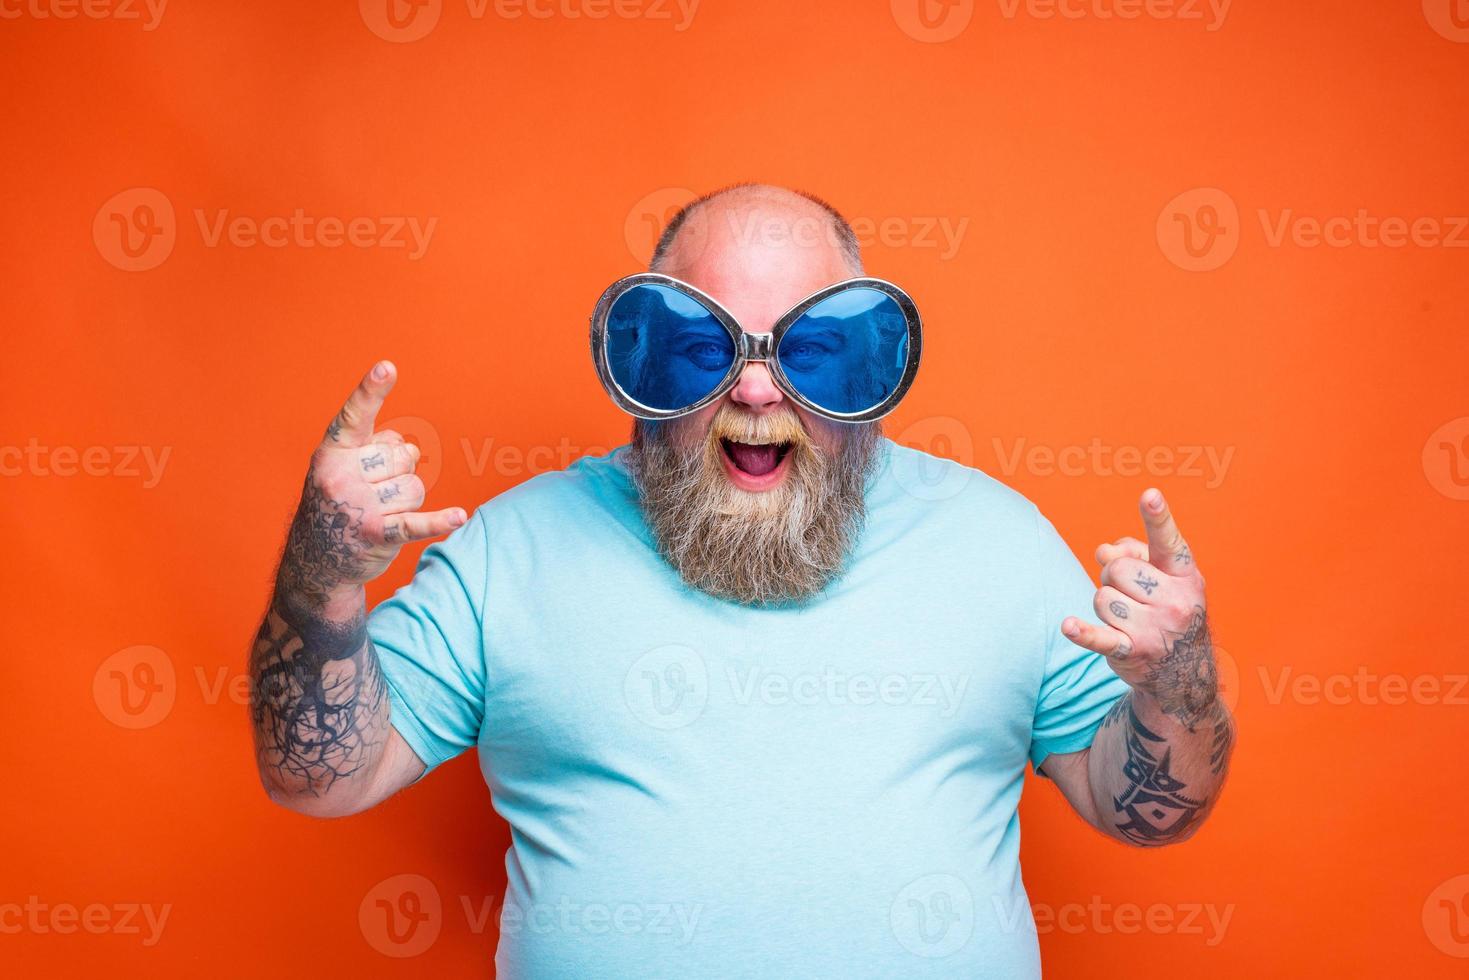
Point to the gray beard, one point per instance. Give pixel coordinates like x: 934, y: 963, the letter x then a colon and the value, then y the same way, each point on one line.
x: 781, y: 546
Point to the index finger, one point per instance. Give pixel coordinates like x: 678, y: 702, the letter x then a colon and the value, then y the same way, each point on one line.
x: 1167, y: 550
x: 354, y: 423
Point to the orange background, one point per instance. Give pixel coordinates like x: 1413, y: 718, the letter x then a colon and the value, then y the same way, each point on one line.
x: 546, y: 148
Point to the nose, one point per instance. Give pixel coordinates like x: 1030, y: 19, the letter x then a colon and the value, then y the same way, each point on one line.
x: 756, y: 390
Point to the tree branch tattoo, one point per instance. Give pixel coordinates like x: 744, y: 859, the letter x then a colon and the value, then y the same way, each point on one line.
x: 316, y: 700
x: 317, y: 692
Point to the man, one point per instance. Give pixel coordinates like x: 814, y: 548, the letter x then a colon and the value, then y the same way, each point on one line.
x: 751, y: 702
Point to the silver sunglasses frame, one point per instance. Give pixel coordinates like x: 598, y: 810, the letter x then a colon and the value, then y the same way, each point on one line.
x: 753, y: 346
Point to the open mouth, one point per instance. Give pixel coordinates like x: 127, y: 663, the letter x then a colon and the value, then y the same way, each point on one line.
x: 755, y: 459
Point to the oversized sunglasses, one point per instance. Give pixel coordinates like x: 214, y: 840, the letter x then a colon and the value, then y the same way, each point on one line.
x: 848, y: 352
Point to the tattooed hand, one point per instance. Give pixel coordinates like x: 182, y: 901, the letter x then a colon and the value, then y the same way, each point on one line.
x: 360, y: 504
x: 1155, y: 633
x: 318, y: 702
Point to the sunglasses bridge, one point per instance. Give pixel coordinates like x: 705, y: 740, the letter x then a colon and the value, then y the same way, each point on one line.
x: 756, y: 346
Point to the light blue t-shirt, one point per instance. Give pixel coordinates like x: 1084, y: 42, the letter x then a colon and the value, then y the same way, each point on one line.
x: 697, y: 788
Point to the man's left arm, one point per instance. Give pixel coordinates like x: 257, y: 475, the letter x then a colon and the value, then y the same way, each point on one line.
x: 1157, y: 764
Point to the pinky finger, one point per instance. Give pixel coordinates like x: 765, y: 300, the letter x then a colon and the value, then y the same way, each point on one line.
x: 1105, y: 640
x: 416, y: 526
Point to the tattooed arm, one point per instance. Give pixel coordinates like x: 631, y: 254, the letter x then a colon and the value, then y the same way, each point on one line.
x: 1156, y: 766
x: 319, y: 707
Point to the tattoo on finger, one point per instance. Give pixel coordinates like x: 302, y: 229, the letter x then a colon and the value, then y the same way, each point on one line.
x: 388, y: 493
x: 372, y: 462
x: 1117, y: 609
x: 1145, y: 582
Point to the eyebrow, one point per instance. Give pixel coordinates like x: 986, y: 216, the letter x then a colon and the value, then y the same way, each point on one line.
x: 835, y: 335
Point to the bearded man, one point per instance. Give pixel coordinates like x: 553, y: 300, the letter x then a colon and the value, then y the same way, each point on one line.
x: 755, y: 692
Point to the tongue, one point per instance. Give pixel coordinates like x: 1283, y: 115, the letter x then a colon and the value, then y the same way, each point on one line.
x: 754, y: 460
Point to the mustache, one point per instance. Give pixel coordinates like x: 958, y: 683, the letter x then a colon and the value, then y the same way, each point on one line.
x: 780, y: 426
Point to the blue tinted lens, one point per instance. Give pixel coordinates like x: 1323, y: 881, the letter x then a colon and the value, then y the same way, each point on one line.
x: 664, y: 348
x: 847, y: 353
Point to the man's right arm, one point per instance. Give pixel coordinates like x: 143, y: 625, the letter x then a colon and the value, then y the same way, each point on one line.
x: 319, y: 705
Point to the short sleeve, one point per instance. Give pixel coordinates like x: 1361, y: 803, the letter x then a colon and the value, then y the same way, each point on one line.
x: 1078, y: 687
x: 430, y: 644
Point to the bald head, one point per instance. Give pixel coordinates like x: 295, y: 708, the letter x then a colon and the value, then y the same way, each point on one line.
x: 755, y: 215
x: 758, y: 250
